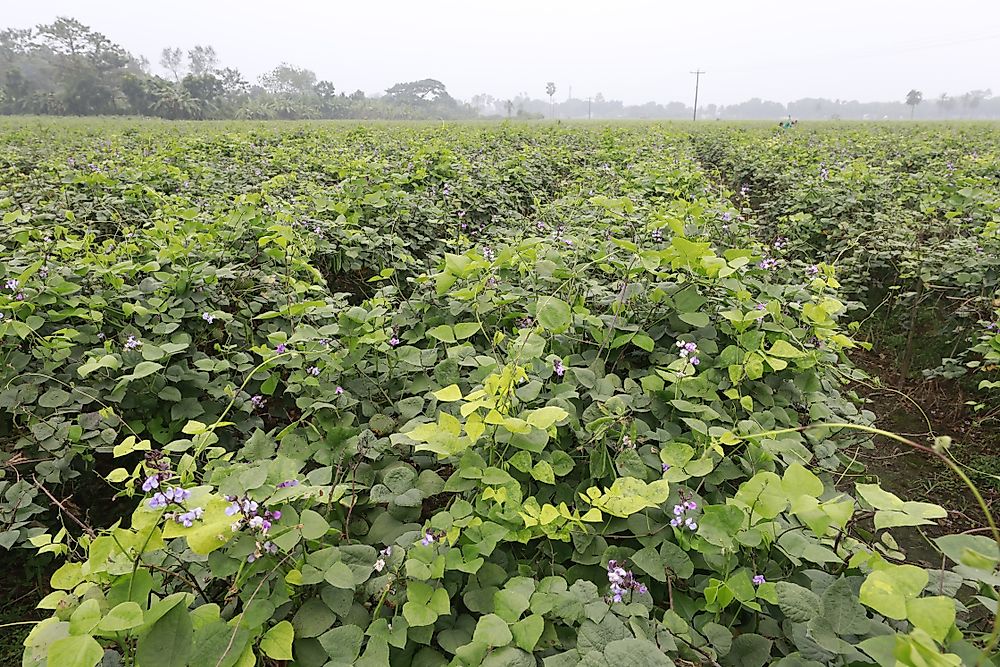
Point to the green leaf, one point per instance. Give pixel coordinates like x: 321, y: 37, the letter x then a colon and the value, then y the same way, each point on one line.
x: 465, y: 330
x: 443, y: 333
x: 124, y: 616
x: 841, y: 609
x: 543, y: 473
x: 54, y: 398
x: 493, y: 631
x: 553, y: 314
x: 314, y: 526
x: 449, y: 393
x: 782, y: 348
x: 545, y: 417
x: 888, y: 590
x: 509, y: 604
x: 79, y: 651
x: 418, y: 614
x: 528, y: 631
x: 144, y: 368
x: 277, y: 641
x: 343, y: 644
x: 799, y: 604
x: 934, y: 615
x: 635, y: 653
x: 169, y: 642
x: 720, y: 523
x: 85, y: 618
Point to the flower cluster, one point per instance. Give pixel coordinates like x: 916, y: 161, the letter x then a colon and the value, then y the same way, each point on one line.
x: 208, y: 317
x: 427, y: 539
x: 313, y: 370
x: 681, y: 516
x: 172, y: 494
x: 132, y: 343
x: 758, y: 579
x: 780, y: 242
x: 558, y: 368
x: 688, y: 351
x: 622, y: 581
x: 258, y: 519
x: 768, y: 264
x: 489, y: 254
x: 382, y: 555
x: 812, y: 270
x: 657, y: 235
x: 280, y: 348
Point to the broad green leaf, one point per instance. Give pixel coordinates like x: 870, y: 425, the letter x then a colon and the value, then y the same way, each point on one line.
x: 78, y: 651
x: 493, y: 631
x: 888, y: 590
x: 553, y: 314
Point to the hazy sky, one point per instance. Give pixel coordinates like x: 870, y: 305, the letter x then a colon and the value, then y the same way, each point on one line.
x: 635, y: 50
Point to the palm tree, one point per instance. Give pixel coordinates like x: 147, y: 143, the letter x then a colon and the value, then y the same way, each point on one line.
x: 913, y: 98
x: 550, y: 90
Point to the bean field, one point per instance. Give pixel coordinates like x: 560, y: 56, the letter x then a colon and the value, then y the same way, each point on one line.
x: 503, y: 394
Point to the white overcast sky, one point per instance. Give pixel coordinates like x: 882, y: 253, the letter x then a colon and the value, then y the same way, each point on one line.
x: 634, y: 50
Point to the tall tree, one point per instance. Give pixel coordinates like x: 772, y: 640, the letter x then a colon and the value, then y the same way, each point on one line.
x: 172, y: 60
x: 913, y: 98
x: 202, y: 60
x: 550, y: 90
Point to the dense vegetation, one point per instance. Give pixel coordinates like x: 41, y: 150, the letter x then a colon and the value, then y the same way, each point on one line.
x: 486, y: 394
x: 68, y: 68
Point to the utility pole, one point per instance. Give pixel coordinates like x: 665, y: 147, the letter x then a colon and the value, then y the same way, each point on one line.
x: 697, y: 80
x: 588, y: 107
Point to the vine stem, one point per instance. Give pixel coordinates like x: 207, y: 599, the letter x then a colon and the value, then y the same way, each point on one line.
x: 994, y: 637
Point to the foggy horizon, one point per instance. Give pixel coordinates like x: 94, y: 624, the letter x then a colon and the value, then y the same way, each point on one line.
x: 640, y: 52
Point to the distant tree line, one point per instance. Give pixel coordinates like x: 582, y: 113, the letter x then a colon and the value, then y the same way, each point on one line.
x: 66, y: 68
x: 975, y: 104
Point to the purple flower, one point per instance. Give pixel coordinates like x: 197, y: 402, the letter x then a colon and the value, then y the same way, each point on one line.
x: 281, y: 348
x: 157, y: 501
x: 394, y: 341
x: 657, y: 235
x: 427, y: 539
x: 727, y: 216
x: 258, y: 401
x: 131, y: 343
x: 488, y: 254
x: 152, y: 482
x: 622, y: 581
x: 768, y: 264
x: 288, y: 483
x: 558, y: 367
x: 812, y: 270
x: 12, y: 284
x: 208, y: 317
x: 758, y: 579
x: 665, y: 466
x: 312, y: 370
x: 338, y: 391
x: 695, y: 361
x: 100, y: 336
x: 760, y: 306
x: 188, y: 518
x: 19, y: 296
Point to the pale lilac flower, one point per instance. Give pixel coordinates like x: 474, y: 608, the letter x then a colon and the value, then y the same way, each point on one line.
x: 812, y: 270
x: 338, y: 391
x: 12, y: 284
x: 131, y: 343
x: 312, y: 370
x: 665, y: 466
x: 558, y: 367
x: 758, y: 579
x: 394, y: 341
x: 152, y: 482
x: 288, y: 483
x: 427, y: 539
x: 281, y: 348
x: 208, y: 317
x: 258, y: 401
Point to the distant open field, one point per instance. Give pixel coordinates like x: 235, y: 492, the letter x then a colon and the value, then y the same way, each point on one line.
x: 585, y: 393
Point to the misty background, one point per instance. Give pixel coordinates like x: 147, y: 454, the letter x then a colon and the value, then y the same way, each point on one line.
x: 390, y: 59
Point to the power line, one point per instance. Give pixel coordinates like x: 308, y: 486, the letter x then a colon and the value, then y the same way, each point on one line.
x: 697, y: 80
